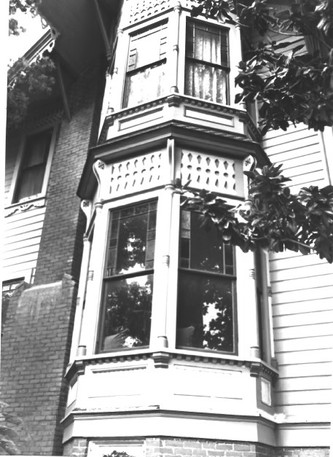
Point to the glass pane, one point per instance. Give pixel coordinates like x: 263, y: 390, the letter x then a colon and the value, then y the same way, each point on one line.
x: 30, y: 183
x: 208, y: 43
x: 144, y: 85
x: 132, y: 239
x: 205, y: 312
x: 206, y: 82
x: 203, y: 249
x: 147, y: 47
x: 36, y: 149
x: 127, y: 313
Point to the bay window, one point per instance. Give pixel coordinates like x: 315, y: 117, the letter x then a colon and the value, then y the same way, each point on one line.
x: 146, y: 65
x: 206, y: 291
x: 207, y: 62
x: 128, y: 278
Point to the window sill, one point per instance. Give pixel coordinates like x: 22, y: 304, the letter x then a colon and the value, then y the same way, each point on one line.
x: 25, y: 204
x: 163, y: 357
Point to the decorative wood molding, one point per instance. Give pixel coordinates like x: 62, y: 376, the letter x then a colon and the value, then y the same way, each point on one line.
x: 25, y: 206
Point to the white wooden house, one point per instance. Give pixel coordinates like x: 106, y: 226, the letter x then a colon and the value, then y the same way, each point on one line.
x: 182, y: 345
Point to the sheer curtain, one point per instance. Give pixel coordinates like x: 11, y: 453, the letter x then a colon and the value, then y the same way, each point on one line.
x: 204, y: 77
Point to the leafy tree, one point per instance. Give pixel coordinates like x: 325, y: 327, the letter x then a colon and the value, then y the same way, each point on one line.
x: 291, y: 87
x: 272, y: 217
x: 25, y: 6
x: 27, y: 81
x: 10, y: 426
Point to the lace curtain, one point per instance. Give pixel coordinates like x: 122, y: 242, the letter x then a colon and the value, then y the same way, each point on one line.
x: 206, y: 53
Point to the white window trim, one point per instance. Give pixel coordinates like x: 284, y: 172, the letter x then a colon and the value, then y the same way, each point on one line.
x: 234, y: 54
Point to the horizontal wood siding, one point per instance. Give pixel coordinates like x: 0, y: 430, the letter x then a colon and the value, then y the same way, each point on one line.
x: 302, y: 295
x: 23, y: 231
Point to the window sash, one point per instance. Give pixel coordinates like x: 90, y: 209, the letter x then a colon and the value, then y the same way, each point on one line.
x: 145, y: 76
x: 128, y: 278
x: 205, y: 312
x: 207, y: 62
x: 32, y: 170
x: 206, y: 288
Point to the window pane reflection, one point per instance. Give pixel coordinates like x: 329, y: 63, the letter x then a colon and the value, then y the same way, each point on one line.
x: 201, y: 249
x: 128, y: 281
x: 132, y: 239
x: 127, y: 312
x: 205, y: 288
x: 205, y: 312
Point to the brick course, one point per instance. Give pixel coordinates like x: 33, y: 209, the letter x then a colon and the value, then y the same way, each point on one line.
x: 179, y: 447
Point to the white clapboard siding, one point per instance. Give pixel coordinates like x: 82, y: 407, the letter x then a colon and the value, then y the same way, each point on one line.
x: 293, y: 320
x: 304, y: 344
x: 298, y: 283
x: 306, y: 370
x: 303, y: 331
x: 302, y: 384
x: 305, y: 357
x: 285, y: 157
x: 298, y: 398
x: 306, y: 271
x: 302, y: 294
x: 23, y: 230
x: 18, y: 244
x: 300, y: 413
x: 279, y: 152
x: 290, y: 260
x: 303, y: 307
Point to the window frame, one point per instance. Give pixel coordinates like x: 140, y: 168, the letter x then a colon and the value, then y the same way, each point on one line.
x: 190, y: 22
x: 208, y: 274
x: 160, y: 62
x: 15, y: 181
x: 106, y: 279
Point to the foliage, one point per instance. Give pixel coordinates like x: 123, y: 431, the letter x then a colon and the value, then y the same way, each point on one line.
x: 20, y: 5
x: 291, y: 87
x: 272, y: 217
x: 28, y: 83
x: 9, y: 424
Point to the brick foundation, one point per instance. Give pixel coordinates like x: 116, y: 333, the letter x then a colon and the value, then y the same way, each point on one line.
x: 179, y: 447
x: 303, y: 452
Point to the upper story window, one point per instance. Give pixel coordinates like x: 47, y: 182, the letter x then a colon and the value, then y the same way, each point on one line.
x: 145, y: 75
x: 31, y: 176
x: 206, y: 288
x: 207, y: 62
x: 128, y: 278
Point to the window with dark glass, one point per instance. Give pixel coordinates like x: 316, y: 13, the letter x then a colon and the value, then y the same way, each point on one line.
x: 32, y: 170
x: 146, y: 66
x: 128, y: 278
x: 206, y: 288
x: 207, y: 62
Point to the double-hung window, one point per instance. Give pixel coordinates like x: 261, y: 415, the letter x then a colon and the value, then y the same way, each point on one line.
x: 31, y: 175
x: 206, y: 288
x: 207, y: 62
x: 145, y: 76
x: 128, y: 278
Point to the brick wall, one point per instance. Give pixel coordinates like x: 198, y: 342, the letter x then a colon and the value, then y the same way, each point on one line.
x: 76, y: 448
x: 34, y: 347
x: 61, y: 242
x: 160, y: 447
x: 179, y: 447
x: 303, y: 452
